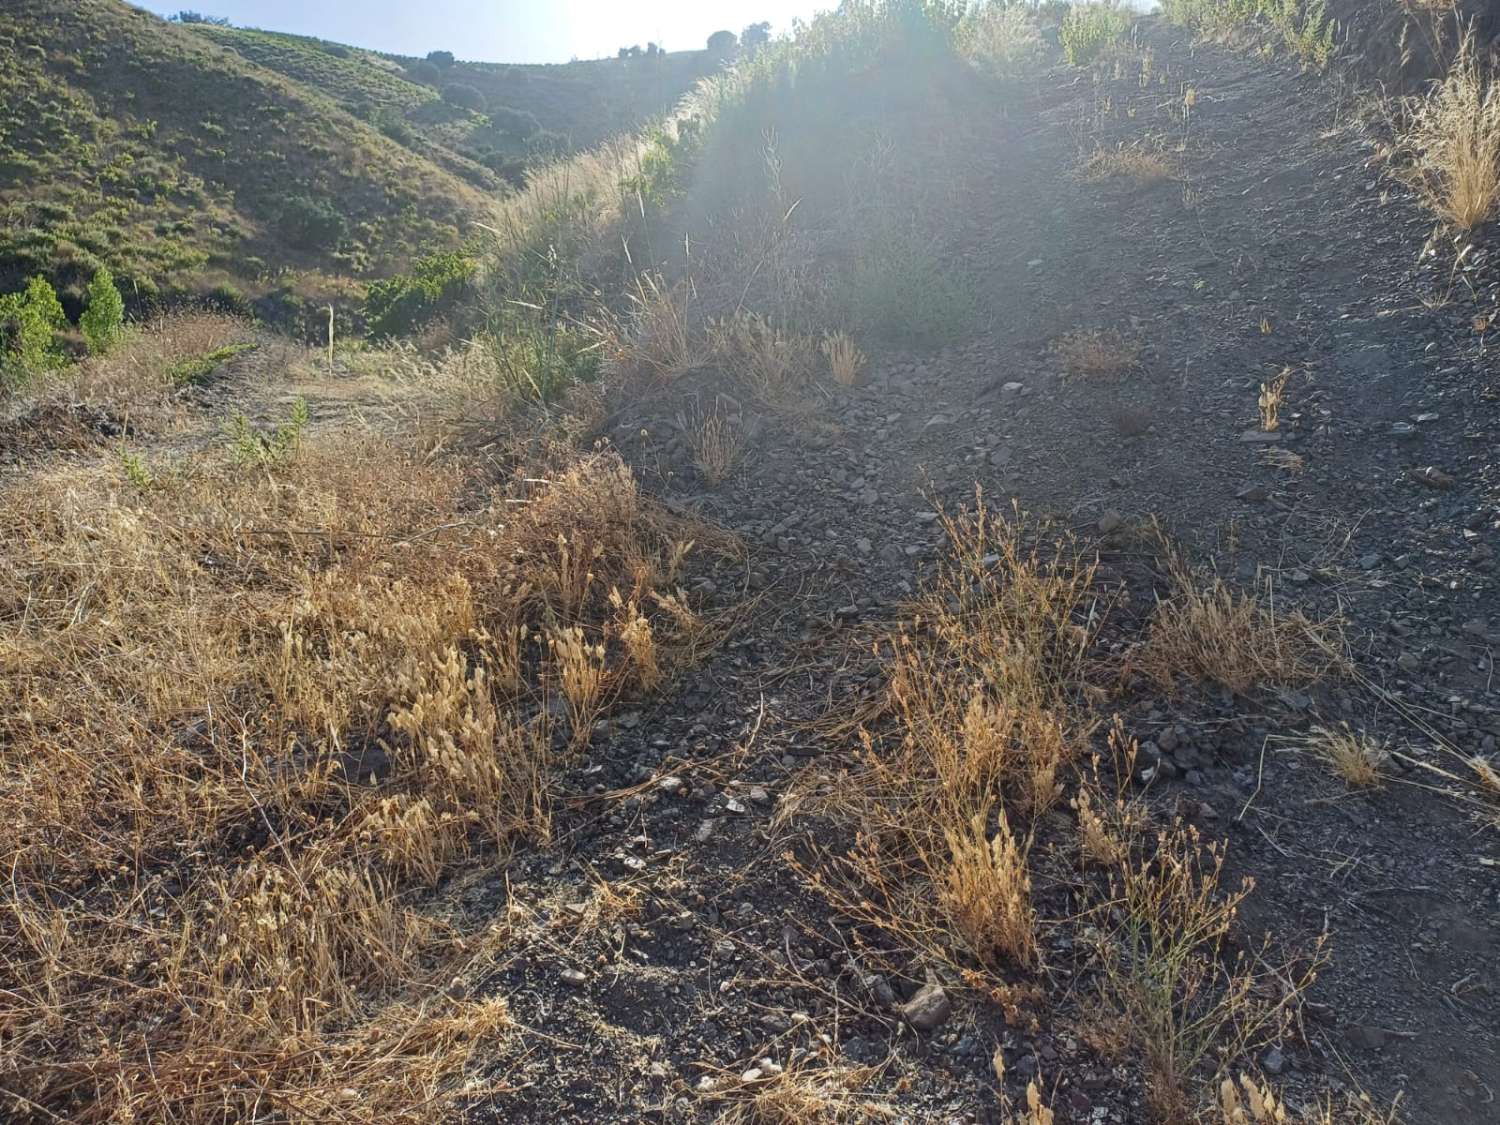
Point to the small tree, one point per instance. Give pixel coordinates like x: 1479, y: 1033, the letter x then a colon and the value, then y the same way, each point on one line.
x: 103, y: 319
x: 463, y: 96
x: 721, y: 44
x: 653, y: 50
x: 29, y: 320
x: 756, y: 35
x: 443, y: 59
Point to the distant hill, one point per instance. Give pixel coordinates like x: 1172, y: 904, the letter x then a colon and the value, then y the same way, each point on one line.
x: 260, y: 167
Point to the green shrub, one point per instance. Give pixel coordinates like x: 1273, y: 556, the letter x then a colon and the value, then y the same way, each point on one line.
x: 1088, y: 28
x: 196, y: 369
x: 900, y: 289
x: 29, y: 322
x: 424, y: 73
x: 104, y: 318
x: 400, y: 305
x: 310, y: 224
x: 463, y: 96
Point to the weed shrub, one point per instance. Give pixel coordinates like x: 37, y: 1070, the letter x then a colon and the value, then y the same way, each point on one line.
x: 1001, y: 40
x: 1303, y: 26
x: 29, y: 322
x: 1089, y: 28
x: 104, y: 318
x: 900, y: 288
x: 400, y: 305
x: 310, y: 224
x: 1452, y: 141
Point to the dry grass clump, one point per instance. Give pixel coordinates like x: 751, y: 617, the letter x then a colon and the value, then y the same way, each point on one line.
x: 1254, y: 1102
x: 985, y: 706
x: 845, y: 359
x: 811, y: 1091
x: 1206, y: 630
x: 717, y: 443
x: 658, y: 340
x: 1097, y: 353
x: 248, y: 712
x: 1272, y: 395
x: 774, y: 363
x: 1137, y: 163
x: 1354, y: 756
x: 1167, y: 989
x: 1283, y: 459
x: 1452, y: 137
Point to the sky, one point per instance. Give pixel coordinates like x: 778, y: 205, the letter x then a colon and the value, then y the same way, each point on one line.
x: 503, y: 30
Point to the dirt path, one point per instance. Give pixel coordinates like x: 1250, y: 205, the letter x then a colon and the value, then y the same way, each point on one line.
x: 1277, y: 245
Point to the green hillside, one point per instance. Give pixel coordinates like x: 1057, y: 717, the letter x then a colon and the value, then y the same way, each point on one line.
x: 264, y: 169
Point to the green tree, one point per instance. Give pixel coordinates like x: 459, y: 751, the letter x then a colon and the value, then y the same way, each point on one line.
x: 104, y: 317
x: 28, y: 321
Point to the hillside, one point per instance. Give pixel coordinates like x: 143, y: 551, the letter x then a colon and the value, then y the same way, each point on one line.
x: 505, y: 114
x: 258, y: 167
x: 955, y: 580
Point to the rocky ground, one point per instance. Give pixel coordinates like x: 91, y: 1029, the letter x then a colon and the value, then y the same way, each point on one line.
x: 1277, y: 243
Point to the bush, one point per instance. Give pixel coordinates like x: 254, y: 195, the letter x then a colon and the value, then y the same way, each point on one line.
x: 424, y: 73
x: 442, y: 59
x: 402, y: 304
x: 465, y: 97
x: 1000, y: 41
x: 29, y: 320
x: 104, y: 318
x: 310, y: 224
x: 515, y: 122
x: 1088, y: 28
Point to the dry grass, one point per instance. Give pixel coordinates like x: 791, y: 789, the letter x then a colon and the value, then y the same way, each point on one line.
x: 1452, y: 139
x: 717, y: 443
x: 248, y: 713
x: 985, y: 701
x: 1181, y: 1004
x: 1352, y: 755
x: 1240, y: 640
x: 812, y: 1091
x: 1140, y: 164
x: 658, y: 339
x: 1272, y: 395
x: 775, y: 364
x: 845, y: 359
x: 1254, y: 1102
x: 1283, y: 459
x: 1097, y: 353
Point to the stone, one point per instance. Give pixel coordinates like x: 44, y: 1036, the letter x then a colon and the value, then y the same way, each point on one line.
x: 1260, y: 437
x: 929, y: 1009
x: 1110, y: 522
x: 574, y: 978
x: 1409, y: 662
x: 1434, y: 477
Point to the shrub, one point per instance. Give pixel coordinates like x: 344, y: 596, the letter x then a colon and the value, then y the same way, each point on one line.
x: 29, y: 320
x: 310, y: 224
x: 463, y: 96
x: 424, y: 73
x: 1000, y: 41
x: 1088, y: 28
x: 516, y: 122
x: 443, y: 59
x: 721, y: 44
x: 104, y: 318
x: 401, y: 304
x: 1453, y: 136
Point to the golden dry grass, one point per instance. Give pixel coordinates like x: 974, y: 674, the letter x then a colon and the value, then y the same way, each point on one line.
x: 1272, y: 395
x: 845, y: 360
x: 1242, y: 640
x: 1253, y: 1101
x: 1138, y: 163
x: 1452, y: 140
x: 774, y: 363
x: 249, y: 712
x: 1097, y: 353
x: 1352, y: 755
x: 985, y: 711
